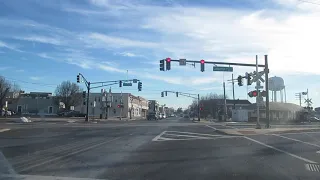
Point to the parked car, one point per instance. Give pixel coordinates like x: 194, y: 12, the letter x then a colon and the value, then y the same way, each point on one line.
x: 314, y: 119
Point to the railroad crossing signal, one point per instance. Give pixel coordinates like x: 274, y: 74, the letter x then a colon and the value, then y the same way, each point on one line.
x: 202, y: 65
x: 168, y: 64
x: 162, y: 65
x: 78, y: 78
x: 253, y: 94
x: 240, y: 83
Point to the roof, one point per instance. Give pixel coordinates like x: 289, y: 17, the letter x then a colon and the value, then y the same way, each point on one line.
x: 238, y: 101
x: 278, y: 106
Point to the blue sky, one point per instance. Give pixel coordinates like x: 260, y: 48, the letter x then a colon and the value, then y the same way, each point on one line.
x: 43, y: 43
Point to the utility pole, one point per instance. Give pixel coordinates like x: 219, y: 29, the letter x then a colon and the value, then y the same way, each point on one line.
x: 225, y: 101
x: 234, y: 103
x: 198, y: 107
x: 266, y: 70
x: 298, y: 95
x: 258, y: 96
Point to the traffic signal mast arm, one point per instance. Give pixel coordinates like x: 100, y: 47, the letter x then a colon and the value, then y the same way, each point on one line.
x: 222, y: 63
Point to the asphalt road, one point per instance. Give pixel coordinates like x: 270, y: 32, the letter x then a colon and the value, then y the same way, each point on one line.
x: 174, y: 148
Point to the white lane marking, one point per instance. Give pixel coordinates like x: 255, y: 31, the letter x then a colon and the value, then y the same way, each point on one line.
x: 312, y: 167
x: 182, y: 132
x: 67, y: 155
x: 285, y: 152
x: 191, y: 136
x: 157, y: 137
x: 307, y: 167
x: 211, y: 127
x: 4, y: 130
x: 297, y: 140
x: 315, y: 132
x: 171, y: 139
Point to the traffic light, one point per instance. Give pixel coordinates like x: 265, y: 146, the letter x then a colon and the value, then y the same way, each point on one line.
x: 177, y: 94
x: 263, y: 93
x: 253, y: 93
x: 240, y: 83
x: 168, y: 63
x: 78, y: 78
x: 166, y: 93
x: 161, y: 94
x: 201, y: 108
x: 120, y: 83
x: 139, y: 86
x: 84, y: 94
x: 202, y: 65
x: 249, y: 79
x: 162, y: 65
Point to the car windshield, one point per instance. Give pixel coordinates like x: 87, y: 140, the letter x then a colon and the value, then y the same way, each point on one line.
x: 159, y: 89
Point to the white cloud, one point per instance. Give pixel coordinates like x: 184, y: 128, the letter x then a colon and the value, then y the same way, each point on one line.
x: 3, y: 68
x: 41, y: 39
x: 103, y: 41
x: 128, y: 54
x: 35, y: 78
x: 8, y: 46
x: 202, y: 80
x: 20, y: 70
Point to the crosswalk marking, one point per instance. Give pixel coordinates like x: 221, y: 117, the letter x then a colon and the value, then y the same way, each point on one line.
x: 312, y: 167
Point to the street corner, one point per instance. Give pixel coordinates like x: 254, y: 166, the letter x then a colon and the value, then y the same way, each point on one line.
x: 290, y: 130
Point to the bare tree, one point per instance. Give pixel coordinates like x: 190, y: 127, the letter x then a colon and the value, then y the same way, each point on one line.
x: 5, y: 88
x: 69, y: 93
x: 211, y: 104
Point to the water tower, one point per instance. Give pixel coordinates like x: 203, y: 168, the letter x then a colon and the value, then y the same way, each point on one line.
x: 276, y: 84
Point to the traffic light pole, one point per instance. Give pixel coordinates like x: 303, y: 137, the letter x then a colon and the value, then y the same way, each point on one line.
x: 198, y: 107
x: 104, y: 84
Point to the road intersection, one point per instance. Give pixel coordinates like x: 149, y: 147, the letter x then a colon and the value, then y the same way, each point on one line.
x: 174, y: 148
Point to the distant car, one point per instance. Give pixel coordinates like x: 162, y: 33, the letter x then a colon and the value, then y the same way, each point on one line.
x: 186, y: 116
x: 74, y: 114
x: 314, y: 119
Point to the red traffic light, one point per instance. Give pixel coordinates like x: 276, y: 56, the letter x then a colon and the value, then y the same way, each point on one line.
x: 119, y: 106
x: 254, y: 93
x: 202, y: 61
x: 168, y: 59
x: 201, y: 109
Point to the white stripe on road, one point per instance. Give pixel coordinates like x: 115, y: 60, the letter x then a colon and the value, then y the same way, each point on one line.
x: 4, y: 130
x: 307, y: 167
x: 297, y: 140
x: 285, y: 152
x: 211, y: 127
x: 157, y: 137
x: 191, y: 136
x: 67, y: 155
x: 192, y: 133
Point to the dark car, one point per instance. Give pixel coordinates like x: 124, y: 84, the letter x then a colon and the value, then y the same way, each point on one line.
x: 72, y: 114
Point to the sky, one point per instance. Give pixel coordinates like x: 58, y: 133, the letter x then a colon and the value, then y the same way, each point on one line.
x: 43, y: 43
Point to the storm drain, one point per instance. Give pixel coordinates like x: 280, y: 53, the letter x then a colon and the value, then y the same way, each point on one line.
x: 313, y: 167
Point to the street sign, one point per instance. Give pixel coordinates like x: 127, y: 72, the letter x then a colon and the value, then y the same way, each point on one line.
x: 182, y: 62
x: 221, y: 68
x: 127, y: 84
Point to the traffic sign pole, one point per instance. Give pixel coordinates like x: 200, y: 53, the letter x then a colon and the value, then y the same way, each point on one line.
x: 266, y: 71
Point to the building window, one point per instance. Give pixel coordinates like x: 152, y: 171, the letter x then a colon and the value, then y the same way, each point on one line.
x: 50, y: 110
x: 19, y: 109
